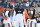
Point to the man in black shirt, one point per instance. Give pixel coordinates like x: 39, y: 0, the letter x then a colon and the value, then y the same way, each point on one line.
x: 6, y: 20
x: 33, y: 20
x: 18, y: 17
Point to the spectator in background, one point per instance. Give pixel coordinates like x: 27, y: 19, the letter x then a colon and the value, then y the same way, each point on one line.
x: 4, y: 4
x: 27, y: 4
x: 3, y: 1
x: 31, y: 3
x: 14, y: 0
x: 34, y: 4
x: 31, y: 0
x: 16, y: 4
x: 1, y: 8
x: 7, y: 0
x: 20, y: 5
x: 23, y: 5
x: 20, y: 1
x: 13, y: 3
x: 36, y: 1
x: 8, y: 3
x: 0, y: 2
x: 24, y: 1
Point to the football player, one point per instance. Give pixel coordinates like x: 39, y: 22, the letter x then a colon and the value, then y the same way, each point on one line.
x: 18, y: 17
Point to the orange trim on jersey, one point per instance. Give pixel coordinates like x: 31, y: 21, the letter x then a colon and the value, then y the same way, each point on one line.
x: 26, y: 16
x: 13, y: 2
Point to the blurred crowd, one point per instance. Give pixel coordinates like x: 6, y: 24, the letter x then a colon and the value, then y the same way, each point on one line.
x: 28, y: 3
x: 12, y: 4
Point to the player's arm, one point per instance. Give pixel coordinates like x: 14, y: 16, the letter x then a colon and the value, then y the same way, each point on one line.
x: 31, y: 15
x: 24, y: 17
x: 4, y: 12
x: 14, y: 15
